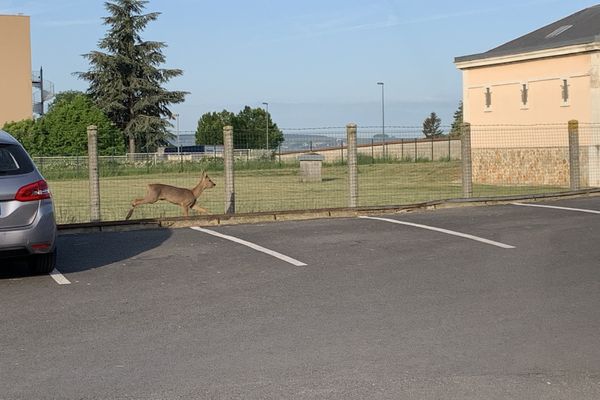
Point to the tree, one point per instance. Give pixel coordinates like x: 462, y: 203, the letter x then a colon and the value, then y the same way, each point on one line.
x: 455, y: 131
x: 63, y: 130
x: 126, y: 79
x: 27, y: 132
x: 66, y: 122
x: 210, y: 127
x: 431, y: 126
x: 249, y: 129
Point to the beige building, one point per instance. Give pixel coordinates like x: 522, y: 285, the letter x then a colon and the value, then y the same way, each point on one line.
x: 15, y: 69
x: 513, y: 92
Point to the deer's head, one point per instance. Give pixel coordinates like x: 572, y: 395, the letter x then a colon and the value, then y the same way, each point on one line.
x: 206, y: 182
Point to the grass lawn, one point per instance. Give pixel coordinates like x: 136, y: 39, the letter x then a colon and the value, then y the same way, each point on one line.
x: 277, y: 190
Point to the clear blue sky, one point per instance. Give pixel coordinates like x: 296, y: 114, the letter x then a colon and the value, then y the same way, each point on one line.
x: 316, y: 62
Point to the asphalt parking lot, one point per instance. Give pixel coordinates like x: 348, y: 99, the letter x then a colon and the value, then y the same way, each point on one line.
x: 495, y: 302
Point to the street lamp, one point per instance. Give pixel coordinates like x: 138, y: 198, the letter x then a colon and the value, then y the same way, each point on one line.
x: 267, y: 105
x: 382, y: 118
x: 177, y: 124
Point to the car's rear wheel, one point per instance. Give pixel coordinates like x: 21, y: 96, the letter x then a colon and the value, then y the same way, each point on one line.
x: 42, y: 263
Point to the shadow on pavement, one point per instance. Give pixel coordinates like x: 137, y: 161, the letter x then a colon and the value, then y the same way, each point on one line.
x: 80, y: 252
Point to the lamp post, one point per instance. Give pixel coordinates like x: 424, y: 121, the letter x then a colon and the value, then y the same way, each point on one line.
x: 177, y: 124
x: 178, y: 143
x: 267, y: 106
x: 382, y: 119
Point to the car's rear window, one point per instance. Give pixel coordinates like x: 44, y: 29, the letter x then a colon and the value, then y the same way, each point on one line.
x: 14, y: 160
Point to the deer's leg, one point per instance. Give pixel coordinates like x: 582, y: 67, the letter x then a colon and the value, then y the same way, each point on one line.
x: 200, y: 209
x: 148, y: 199
x: 186, y: 210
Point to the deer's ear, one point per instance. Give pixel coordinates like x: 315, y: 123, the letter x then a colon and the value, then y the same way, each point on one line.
x: 203, y: 175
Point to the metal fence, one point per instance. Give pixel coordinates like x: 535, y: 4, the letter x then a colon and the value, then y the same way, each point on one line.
x: 312, y: 169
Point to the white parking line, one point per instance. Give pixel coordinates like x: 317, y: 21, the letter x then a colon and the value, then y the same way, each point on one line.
x: 557, y: 208
x: 252, y: 246
x: 449, y: 232
x: 59, y: 278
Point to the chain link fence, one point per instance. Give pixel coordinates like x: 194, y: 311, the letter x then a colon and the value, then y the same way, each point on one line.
x: 309, y: 170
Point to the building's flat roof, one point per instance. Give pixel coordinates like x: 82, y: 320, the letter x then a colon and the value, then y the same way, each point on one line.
x: 580, y: 28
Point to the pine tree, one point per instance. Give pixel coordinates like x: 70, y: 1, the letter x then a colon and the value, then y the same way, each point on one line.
x: 126, y: 79
x: 431, y: 126
x: 458, y: 121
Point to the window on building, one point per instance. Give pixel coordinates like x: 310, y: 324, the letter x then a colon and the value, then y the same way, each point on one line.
x: 488, y: 98
x: 565, y: 91
x: 524, y: 94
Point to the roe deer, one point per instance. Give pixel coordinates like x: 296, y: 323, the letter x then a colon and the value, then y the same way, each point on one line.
x: 186, y: 198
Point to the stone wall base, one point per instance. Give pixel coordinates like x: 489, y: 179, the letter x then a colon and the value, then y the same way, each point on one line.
x: 527, y: 166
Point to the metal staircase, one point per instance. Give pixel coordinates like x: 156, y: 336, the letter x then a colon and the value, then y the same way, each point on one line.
x: 43, y: 91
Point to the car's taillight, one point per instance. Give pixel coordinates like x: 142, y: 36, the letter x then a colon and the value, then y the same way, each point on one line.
x: 34, y: 191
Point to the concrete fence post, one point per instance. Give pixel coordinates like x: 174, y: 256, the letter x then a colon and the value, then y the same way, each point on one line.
x: 352, y: 165
x: 467, y: 165
x: 94, y: 179
x: 574, y: 171
x: 228, y: 162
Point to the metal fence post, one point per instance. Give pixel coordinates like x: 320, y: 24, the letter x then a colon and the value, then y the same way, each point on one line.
x: 432, y: 148
x: 467, y: 167
x: 372, y: 151
x: 352, y: 165
x: 416, y: 150
x: 402, y: 149
x: 574, y: 173
x: 180, y: 159
x: 247, y: 150
x: 92, y: 134
x: 228, y: 162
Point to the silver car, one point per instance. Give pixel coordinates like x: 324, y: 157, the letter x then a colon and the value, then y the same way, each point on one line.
x: 27, y: 224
